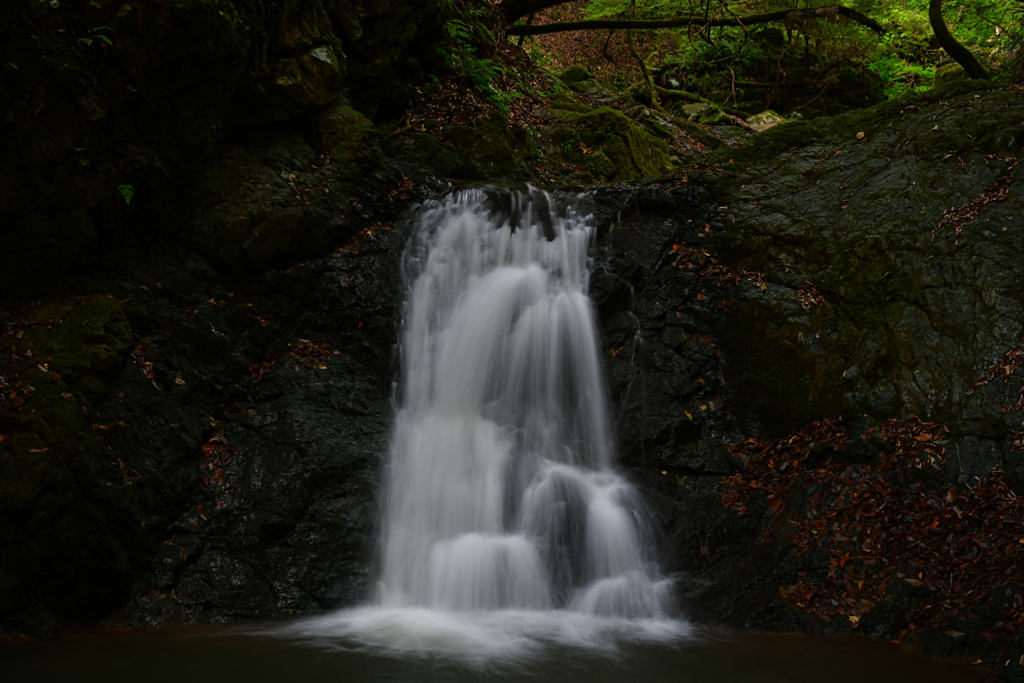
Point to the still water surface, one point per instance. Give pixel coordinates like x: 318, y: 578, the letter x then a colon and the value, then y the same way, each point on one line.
x: 197, y: 655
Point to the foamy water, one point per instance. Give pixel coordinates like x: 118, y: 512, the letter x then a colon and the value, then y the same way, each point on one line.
x: 506, y: 527
x: 481, y: 638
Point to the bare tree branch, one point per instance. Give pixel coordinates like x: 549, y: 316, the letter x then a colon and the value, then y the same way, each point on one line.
x: 796, y: 13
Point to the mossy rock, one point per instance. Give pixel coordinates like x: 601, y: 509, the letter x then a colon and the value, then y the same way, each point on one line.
x: 613, y: 147
x: 582, y: 81
x: 487, y: 149
x: 712, y: 115
x: 283, y: 200
x: 950, y: 73
x: 766, y: 120
x: 873, y: 121
x: 563, y: 102
x: 694, y: 109
x: 347, y: 133
x: 93, y: 337
x: 576, y: 74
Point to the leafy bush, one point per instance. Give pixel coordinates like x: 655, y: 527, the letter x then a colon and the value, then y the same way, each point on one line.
x: 483, y: 73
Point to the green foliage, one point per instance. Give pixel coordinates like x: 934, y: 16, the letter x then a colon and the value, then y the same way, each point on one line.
x: 483, y: 73
x: 821, y: 52
x: 647, y: 9
x: 900, y: 76
x: 97, y: 36
x: 126, y: 192
x: 568, y: 147
x: 906, y: 58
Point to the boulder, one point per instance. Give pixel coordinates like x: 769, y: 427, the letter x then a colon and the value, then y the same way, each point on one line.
x: 712, y: 115
x: 765, y: 120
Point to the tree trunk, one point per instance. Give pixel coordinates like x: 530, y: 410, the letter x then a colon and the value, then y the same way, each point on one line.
x: 651, y: 99
x: 522, y: 38
x: 953, y: 48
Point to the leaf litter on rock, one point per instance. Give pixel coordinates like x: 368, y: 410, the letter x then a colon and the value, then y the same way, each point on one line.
x: 958, y: 217
x: 309, y: 354
x: 878, y: 522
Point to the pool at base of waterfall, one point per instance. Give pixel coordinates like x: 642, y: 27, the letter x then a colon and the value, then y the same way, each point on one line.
x: 377, y: 645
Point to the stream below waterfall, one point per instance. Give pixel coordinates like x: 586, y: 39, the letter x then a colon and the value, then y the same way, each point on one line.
x: 218, y: 654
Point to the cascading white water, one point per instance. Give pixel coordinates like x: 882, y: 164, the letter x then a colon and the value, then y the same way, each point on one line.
x: 500, y: 488
x: 506, y: 528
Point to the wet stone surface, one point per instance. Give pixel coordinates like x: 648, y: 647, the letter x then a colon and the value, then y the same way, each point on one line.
x: 807, y: 277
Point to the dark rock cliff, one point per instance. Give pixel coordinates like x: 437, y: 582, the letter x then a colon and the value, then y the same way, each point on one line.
x: 834, y: 311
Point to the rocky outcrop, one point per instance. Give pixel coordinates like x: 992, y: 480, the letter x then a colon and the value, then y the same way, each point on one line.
x: 859, y: 267
x: 110, y: 110
x: 488, y: 149
x: 184, y: 434
x: 179, y: 452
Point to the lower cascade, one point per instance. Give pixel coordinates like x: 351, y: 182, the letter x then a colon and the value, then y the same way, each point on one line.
x: 500, y: 492
x: 504, y: 520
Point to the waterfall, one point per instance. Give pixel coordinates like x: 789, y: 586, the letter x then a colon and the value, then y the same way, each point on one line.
x: 506, y: 527
x: 500, y: 487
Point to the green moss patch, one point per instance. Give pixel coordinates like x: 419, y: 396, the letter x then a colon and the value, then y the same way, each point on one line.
x: 611, y: 146
x: 87, y: 338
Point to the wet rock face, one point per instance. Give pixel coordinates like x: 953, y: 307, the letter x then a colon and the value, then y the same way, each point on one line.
x: 284, y: 516
x: 824, y: 280
x: 192, y: 453
x: 912, y: 313
x: 804, y: 277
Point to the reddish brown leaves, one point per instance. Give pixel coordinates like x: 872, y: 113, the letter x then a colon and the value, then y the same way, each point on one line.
x: 729, y: 278
x: 960, y: 216
x: 351, y: 248
x: 403, y: 189
x: 308, y: 354
x: 809, y: 295
x: 1004, y: 368
x: 139, y: 358
x: 264, y: 367
x: 217, y: 454
x: 776, y: 464
x: 17, y: 364
x: 128, y: 475
x: 14, y: 392
x: 877, y: 523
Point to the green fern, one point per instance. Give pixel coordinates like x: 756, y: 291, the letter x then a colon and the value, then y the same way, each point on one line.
x: 126, y: 192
